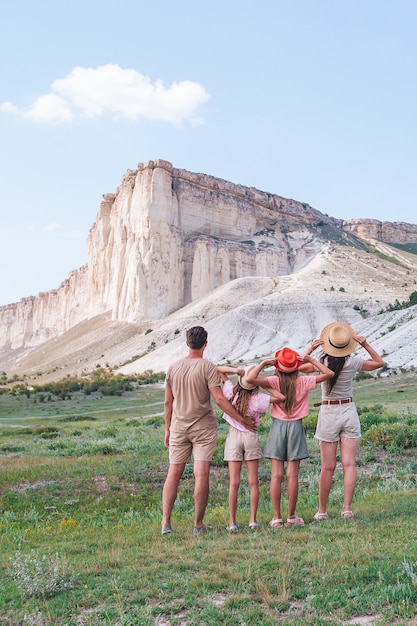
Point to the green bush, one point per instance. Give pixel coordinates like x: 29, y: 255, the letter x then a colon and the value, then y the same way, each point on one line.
x: 310, y: 423
x: 369, y: 419
x: 363, y: 376
x: 218, y: 455
x: 374, y: 415
x: 156, y: 421
x: 42, y: 576
x: 399, y: 435
x: 103, y: 448
x: 264, y: 424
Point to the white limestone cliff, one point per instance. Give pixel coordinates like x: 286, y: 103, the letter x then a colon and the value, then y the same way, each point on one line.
x: 168, y: 237
x: 390, y: 232
x: 165, y: 238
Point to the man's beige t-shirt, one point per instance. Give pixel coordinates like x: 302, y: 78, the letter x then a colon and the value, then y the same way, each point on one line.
x: 190, y: 380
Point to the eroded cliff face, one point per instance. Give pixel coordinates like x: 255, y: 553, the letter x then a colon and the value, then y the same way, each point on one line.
x: 34, y: 320
x: 389, y: 232
x: 167, y: 237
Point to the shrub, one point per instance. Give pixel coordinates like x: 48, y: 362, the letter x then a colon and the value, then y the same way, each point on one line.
x: 103, y: 448
x: 399, y: 435
x: 47, y: 432
x: 310, y: 423
x: 369, y: 419
x: 264, y: 424
x: 11, y: 448
x: 77, y: 418
x: 156, y: 421
x: 218, y: 455
x: 412, y: 300
x: 40, y: 576
x: 363, y: 376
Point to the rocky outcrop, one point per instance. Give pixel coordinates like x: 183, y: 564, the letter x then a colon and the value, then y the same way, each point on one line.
x: 166, y: 238
x: 169, y: 236
x: 34, y: 320
x: 389, y: 232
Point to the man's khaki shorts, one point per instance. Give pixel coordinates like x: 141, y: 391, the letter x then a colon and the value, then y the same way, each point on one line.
x: 242, y: 446
x: 199, y: 443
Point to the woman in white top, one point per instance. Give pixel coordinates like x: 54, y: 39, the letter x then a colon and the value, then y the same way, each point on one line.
x: 338, y: 421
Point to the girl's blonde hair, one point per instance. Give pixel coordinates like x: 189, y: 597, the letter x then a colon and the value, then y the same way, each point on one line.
x: 288, y: 386
x: 241, y: 398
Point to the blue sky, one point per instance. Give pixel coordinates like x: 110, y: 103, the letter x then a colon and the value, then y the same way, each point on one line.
x: 313, y: 100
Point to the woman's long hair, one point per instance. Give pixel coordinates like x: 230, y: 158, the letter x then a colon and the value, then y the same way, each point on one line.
x: 241, y: 398
x: 288, y: 386
x: 336, y: 364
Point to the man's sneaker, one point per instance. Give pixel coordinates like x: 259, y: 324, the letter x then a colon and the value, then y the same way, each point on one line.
x: 166, y: 529
x: 199, y: 530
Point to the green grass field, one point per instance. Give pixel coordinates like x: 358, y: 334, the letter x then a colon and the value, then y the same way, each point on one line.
x: 80, y: 491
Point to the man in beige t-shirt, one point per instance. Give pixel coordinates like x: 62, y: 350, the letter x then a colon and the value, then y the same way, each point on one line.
x: 191, y: 425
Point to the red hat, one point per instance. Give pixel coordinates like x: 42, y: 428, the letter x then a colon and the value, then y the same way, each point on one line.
x: 288, y: 360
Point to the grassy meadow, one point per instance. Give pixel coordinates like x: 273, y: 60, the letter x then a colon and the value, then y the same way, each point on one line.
x: 80, y: 542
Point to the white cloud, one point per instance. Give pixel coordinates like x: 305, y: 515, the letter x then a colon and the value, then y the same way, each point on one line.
x: 53, y: 228
x: 91, y: 92
x: 8, y: 107
x: 49, y: 108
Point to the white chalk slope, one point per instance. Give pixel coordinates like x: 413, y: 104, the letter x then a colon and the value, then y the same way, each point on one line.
x: 250, y: 318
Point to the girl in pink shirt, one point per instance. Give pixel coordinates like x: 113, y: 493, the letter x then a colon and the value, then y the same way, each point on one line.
x: 242, y: 444
x: 286, y: 440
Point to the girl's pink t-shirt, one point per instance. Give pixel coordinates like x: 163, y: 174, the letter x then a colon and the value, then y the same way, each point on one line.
x: 300, y: 410
x: 258, y: 403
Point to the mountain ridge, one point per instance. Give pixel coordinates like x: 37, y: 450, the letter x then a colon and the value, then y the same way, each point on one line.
x: 171, y: 248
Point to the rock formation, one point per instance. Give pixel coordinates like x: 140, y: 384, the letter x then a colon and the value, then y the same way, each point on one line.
x: 389, y: 232
x: 168, y: 237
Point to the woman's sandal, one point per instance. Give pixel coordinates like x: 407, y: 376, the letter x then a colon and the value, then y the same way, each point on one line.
x: 253, y: 525
x: 276, y: 523
x: 294, y: 521
x: 233, y: 528
x: 347, y: 514
x: 320, y: 517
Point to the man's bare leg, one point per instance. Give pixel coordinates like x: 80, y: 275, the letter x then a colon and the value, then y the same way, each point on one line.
x: 201, y: 490
x: 169, y: 492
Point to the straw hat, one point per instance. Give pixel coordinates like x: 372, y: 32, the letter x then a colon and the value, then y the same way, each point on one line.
x: 288, y: 360
x: 338, y: 339
x: 243, y: 382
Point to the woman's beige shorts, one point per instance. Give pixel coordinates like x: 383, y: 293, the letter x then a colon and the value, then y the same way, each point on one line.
x: 336, y: 421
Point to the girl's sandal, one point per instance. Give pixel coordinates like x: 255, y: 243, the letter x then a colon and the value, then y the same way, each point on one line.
x: 294, y: 521
x: 320, y: 517
x: 347, y: 514
x: 276, y: 523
